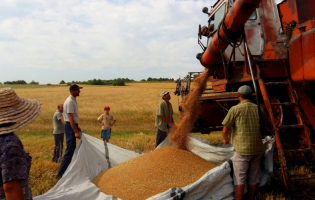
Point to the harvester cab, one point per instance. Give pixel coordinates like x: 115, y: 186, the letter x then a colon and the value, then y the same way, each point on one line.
x: 271, y: 48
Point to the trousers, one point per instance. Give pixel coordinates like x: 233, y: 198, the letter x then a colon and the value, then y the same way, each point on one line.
x: 160, y: 137
x: 58, y: 147
x: 71, y: 144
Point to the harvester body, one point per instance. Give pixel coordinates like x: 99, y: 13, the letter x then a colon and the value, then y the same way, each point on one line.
x: 271, y: 48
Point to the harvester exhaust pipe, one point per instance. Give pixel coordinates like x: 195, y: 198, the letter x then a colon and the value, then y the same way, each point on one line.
x: 230, y: 30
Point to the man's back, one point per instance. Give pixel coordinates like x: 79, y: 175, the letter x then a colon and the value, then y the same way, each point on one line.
x: 244, y: 120
x: 58, y: 126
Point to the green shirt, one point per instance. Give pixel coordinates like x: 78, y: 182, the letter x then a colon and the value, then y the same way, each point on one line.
x: 243, y: 120
x: 162, y: 111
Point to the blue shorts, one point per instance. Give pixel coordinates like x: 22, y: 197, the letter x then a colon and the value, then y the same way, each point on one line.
x: 106, y: 134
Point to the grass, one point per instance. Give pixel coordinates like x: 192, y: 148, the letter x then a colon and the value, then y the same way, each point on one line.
x: 134, y: 107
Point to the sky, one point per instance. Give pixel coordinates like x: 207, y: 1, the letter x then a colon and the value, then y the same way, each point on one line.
x: 78, y: 40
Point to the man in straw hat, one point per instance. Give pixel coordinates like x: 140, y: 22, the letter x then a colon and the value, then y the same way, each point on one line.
x: 15, y: 163
x: 243, y: 119
x: 164, y: 117
x: 71, y: 117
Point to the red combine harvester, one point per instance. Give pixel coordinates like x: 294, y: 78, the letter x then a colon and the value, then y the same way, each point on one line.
x: 271, y: 48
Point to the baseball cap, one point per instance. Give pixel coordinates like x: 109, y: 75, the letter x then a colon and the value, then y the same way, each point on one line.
x: 164, y: 93
x: 106, y: 107
x: 245, y: 89
x: 75, y: 87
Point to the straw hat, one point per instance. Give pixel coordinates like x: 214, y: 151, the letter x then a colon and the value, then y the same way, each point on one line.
x: 16, y: 112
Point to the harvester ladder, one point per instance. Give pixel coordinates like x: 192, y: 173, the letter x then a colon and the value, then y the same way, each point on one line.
x: 304, y: 130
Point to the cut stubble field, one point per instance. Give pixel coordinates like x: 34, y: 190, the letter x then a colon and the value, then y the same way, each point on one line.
x: 133, y: 105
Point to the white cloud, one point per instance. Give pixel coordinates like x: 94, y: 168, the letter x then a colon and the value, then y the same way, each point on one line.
x: 134, y: 39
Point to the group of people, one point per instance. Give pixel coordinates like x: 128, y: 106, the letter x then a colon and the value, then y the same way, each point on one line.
x: 241, y: 127
x: 69, y: 124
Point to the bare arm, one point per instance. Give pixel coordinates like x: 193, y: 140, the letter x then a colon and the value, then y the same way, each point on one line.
x: 113, y: 123
x: 100, y: 123
x: 168, y: 122
x: 62, y: 121
x: 73, y: 126
x: 13, y: 190
x: 225, y: 133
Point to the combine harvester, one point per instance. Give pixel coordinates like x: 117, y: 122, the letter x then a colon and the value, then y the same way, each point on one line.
x: 274, y: 45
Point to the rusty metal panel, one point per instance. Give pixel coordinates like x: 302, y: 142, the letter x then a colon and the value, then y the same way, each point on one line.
x: 273, y: 69
x: 308, y: 45
x: 219, y: 85
x: 288, y: 11
x: 306, y: 10
x: 275, y: 50
x: 297, y: 10
x: 270, y: 20
x: 296, y: 59
x: 307, y: 103
x: 308, y: 25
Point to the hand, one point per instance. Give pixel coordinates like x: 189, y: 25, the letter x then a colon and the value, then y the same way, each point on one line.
x: 226, y: 141
x: 77, y: 135
x: 171, y: 124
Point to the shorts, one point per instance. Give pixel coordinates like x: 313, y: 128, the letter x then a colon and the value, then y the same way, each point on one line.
x: 246, y: 166
x: 106, y: 134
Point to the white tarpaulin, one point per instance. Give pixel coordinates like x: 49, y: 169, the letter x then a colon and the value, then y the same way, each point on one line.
x: 90, y: 159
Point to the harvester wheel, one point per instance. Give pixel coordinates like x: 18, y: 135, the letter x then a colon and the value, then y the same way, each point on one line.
x: 277, y: 112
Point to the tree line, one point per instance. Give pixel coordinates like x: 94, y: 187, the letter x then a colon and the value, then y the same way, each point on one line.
x: 20, y: 82
x: 114, y: 82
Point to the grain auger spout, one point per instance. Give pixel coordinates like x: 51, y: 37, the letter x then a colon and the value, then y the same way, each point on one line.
x: 230, y: 30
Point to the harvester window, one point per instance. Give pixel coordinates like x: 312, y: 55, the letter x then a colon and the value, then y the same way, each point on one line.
x: 217, y: 17
x: 253, y: 16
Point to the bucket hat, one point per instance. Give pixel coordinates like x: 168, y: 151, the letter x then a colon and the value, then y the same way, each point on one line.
x: 164, y: 93
x: 16, y: 112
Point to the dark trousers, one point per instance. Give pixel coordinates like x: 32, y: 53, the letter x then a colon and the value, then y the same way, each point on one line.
x: 160, y: 137
x: 58, y: 147
x: 71, y: 144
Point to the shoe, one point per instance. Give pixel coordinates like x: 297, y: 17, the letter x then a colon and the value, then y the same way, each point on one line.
x: 58, y: 176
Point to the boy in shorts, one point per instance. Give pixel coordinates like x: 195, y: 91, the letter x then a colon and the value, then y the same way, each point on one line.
x: 106, y: 120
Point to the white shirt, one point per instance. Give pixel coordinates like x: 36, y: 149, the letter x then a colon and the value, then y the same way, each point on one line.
x: 71, y: 106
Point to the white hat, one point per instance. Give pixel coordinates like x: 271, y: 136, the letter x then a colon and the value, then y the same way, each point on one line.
x: 164, y: 93
x: 16, y: 112
x: 245, y: 89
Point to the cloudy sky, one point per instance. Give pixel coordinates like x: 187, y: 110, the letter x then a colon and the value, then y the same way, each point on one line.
x: 52, y: 40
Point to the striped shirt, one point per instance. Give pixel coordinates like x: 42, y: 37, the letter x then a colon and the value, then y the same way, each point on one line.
x: 243, y: 119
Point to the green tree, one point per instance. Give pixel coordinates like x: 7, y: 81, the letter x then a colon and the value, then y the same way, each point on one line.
x: 33, y: 83
x: 62, y: 82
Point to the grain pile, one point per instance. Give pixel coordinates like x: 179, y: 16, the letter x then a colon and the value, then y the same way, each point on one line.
x: 152, y: 173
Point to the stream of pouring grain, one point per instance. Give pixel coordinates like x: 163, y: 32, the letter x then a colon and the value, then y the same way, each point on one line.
x: 191, y: 106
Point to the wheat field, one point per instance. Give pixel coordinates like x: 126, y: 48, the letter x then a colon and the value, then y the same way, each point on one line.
x: 134, y: 107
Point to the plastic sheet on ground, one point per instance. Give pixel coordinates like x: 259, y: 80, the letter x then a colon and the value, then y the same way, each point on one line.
x: 90, y: 159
